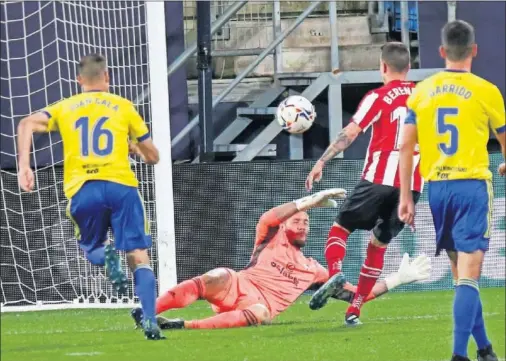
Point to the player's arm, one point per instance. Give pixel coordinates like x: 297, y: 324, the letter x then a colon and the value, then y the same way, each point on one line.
x: 141, y: 142
x: 341, y: 143
x: 496, y: 112
x: 40, y: 122
x: 35, y: 123
x: 406, y: 151
x: 409, y: 271
x: 270, y: 220
x: 368, y: 112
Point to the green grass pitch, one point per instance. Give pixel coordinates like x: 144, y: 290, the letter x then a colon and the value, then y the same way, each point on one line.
x: 397, y: 327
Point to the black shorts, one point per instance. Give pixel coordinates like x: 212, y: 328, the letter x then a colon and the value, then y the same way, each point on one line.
x: 373, y: 207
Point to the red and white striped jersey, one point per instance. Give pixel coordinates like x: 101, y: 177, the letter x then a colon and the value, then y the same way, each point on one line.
x: 385, y: 110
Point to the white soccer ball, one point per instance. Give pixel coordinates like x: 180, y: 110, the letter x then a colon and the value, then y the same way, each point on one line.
x: 295, y: 114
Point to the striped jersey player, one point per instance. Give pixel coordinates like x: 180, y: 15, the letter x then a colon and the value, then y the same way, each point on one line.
x: 278, y: 273
x: 383, y: 110
x: 373, y: 204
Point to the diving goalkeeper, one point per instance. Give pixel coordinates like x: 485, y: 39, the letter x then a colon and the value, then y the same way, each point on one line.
x: 277, y: 274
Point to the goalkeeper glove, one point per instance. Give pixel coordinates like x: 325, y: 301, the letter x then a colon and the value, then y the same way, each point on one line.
x: 321, y: 199
x: 418, y: 270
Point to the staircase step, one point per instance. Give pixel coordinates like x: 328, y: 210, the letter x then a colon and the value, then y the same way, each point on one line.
x: 268, y: 151
x: 256, y: 111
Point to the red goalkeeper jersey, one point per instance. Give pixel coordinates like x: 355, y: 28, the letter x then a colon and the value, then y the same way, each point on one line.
x: 280, y: 270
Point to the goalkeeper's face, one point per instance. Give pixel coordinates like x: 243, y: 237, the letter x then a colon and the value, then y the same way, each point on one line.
x: 297, y: 228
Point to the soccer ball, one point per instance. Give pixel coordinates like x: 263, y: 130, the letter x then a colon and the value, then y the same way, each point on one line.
x: 295, y: 114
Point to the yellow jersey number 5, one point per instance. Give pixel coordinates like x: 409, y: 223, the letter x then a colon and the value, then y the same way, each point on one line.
x: 93, y: 137
x: 444, y: 127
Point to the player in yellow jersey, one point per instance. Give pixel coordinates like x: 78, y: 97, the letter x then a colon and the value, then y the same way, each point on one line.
x: 449, y: 115
x: 96, y: 128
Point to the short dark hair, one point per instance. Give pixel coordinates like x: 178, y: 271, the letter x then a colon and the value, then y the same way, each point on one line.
x: 457, y: 38
x: 92, y: 66
x: 396, y: 55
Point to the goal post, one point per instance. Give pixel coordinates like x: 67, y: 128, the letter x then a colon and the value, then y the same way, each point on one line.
x: 160, y: 126
x: 41, y: 265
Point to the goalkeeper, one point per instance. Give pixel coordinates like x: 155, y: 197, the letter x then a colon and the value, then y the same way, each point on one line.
x: 277, y: 274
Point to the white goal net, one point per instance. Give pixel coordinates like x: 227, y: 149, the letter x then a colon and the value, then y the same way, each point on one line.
x: 41, y: 44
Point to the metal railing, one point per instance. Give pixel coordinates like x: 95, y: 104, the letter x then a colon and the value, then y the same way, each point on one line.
x: 250, y: 30
x: 268, y: 50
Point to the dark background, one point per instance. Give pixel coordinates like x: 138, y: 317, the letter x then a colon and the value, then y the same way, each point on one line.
x: 38, y: 67
x: 216, y: 208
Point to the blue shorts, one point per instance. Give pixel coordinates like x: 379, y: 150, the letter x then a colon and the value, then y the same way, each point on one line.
x: 462, y: 214
x: 99, y: 205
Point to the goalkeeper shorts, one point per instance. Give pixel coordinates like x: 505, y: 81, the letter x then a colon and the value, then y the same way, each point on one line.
x: 239, y: 294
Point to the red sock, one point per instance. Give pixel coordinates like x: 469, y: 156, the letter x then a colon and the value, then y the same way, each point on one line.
x: 369, y: 274
x: 335, y: 249
x: 181, y: 295
x: 353, y: 289
x: 225, y: 320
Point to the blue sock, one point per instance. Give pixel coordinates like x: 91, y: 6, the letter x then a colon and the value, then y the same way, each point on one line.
x: 467, y: 297
x: 97, y: 256
x: 145, y: 288
x: 479, y: 333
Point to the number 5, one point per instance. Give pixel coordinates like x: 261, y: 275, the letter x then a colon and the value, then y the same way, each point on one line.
x: 443, y: 127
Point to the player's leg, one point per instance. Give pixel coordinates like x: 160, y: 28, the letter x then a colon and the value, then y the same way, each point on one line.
x: 479, y: 332
x: 132, y: 235
x: 387, y: 227
x: 452, y: 256
x: 461, y: 213
x: 211, y: 286
x: 236, y: 300
x: 351, y: 216
x: 253, y: 315
x: 471, y: 241
x: 335, y: 248
x: 359, y: 211
x: 91, y: 218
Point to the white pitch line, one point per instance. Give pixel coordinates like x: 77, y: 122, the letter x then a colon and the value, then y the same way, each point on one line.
x: 84, y: 354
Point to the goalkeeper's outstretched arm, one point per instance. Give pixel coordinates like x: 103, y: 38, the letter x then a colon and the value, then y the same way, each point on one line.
x: 271, y: 220
x: 408, y: 272
x: 277, y: 215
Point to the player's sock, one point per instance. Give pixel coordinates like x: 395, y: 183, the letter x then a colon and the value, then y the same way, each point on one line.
x: 181, y: 295
x: 478, y: 331
x: 145, y: 288
x: 225, y: 320
x: 335, y: 249
x: 467, y: 298
x: 97, y: 256
x: 369, y: 274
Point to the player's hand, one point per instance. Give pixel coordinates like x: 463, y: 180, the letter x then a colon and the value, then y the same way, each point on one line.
x: 502, y: 169
x: 417, y: 270
x: 322, y: 199
x: 315, y: 175
x: 407, y: 212
x: 134, y: 149
x: 26, y: 179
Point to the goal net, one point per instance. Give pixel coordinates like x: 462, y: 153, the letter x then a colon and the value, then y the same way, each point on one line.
x: 41, y: 44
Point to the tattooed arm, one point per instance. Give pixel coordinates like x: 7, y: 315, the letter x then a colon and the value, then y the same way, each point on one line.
x: 342, y: 141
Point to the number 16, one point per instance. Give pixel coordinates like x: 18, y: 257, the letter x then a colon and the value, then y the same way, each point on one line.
x: 443, y: 127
